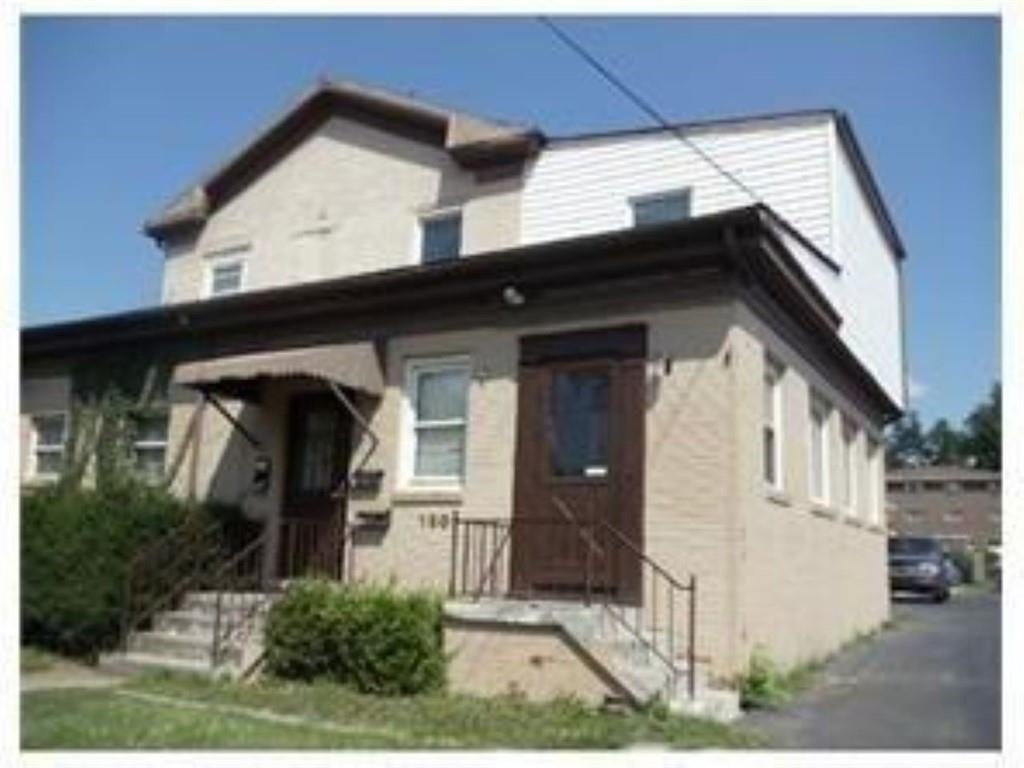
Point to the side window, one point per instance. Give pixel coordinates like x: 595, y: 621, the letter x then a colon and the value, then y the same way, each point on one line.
x: 660, y: 208
x: 225, y: 272
x: 819, y: 456
x: 435, y: 434
x: 49, y: 436
x: 440, y: 237
x: 150, y: 446
x: 772, y: 411
x: 850, y: 478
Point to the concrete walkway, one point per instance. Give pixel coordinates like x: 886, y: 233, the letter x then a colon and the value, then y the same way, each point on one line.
x: 65, y: 674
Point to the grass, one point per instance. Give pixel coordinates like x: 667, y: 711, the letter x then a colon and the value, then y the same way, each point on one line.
x: 36, y: 660
x: 275, y: 714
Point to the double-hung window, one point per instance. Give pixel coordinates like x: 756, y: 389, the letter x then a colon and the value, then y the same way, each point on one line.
x: 660, y: 208
x: 225, y: 272
x: 849, y: 465
x: 440, y: 237
x: 49, y: 435
x: 772, y: 428
x: 875, y: 478
x: 150, y: 446
x: 819, y: 418
x: 436, y: 394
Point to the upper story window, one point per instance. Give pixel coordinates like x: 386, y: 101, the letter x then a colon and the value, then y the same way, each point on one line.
x: 440, y: 237
x: 772, y: 429
x: 660, y: 208
x: 150, y: 446
x: 225, y: 272
x: 49, y: 436
x: 436, y: 393
x: 819, y: 418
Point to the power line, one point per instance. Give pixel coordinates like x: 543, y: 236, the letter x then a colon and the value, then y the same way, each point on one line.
x: 642, y: 104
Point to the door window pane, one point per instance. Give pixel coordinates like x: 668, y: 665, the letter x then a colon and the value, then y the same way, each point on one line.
x: 579, y: 420
x: 317, y: 452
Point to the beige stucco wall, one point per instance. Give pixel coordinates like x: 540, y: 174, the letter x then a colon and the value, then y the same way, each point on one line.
x: 346, y: 200
x: 536, y: 662
x: 812, y: 575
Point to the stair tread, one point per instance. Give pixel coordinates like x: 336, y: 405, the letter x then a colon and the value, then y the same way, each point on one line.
x: 141, y: 658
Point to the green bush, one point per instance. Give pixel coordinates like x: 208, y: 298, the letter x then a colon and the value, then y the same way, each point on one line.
x: 763, y: 685
x: 75, y: 547
x: 370, y: 637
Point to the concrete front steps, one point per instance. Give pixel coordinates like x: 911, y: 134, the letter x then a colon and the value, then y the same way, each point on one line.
x: 596, y: 634
x: 181, y: 640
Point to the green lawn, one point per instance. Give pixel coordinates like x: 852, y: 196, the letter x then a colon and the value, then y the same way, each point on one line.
x: 272, y: 714
x: 36, y: 659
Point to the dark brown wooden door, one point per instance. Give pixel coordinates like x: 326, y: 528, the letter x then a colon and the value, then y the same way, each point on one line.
x: 313, y: 517
x: 579, y: 461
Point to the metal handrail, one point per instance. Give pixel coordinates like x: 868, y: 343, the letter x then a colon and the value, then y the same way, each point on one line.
x: 474, y: 583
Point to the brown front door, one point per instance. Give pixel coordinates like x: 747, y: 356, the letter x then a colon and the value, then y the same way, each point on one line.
x: 579, y: 464
x: 313, y: 517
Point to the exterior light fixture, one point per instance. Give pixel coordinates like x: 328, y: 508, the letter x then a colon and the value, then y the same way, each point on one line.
x: 512, y: 296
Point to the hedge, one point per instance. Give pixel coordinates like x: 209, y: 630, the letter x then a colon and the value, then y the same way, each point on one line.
x: 75, y: 549
x: 372, y: 638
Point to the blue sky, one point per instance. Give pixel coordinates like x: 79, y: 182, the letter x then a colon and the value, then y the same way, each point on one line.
x: 120, y: 114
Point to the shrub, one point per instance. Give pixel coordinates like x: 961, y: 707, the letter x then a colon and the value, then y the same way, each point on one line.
x: 370, y: 637
x: 762, y: 686
x: 75, y: 546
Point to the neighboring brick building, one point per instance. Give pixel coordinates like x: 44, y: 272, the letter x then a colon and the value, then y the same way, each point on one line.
x: 957, y: 504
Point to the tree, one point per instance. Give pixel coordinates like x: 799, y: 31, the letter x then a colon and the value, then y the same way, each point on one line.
x: 906, y: 445
x: 983, y: 440
x: 945, y: 445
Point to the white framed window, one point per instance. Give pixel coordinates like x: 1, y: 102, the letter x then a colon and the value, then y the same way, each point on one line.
x: 440, y: 236
x: 772, y: 434
x: 660, y: 207
x: 225, y: 272
x: 150, y: 446
x: 49, y: 438
x: 875, y: 483
x: 849, y: 465
x: 436, y: 404
x: 820, y: 412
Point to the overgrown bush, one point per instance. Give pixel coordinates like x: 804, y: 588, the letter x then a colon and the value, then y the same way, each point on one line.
x: 75, y: 546
x: 373, y: 638
x: 762, y: 686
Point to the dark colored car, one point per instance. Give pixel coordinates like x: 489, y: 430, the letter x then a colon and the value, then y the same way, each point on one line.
x: 918, y: 564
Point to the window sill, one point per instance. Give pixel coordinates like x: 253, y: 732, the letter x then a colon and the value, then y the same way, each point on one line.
x: 427, y: 495
x: 781, y: 498
x: 820, y: 510
x: 876, y: 528
x: 854, y: 522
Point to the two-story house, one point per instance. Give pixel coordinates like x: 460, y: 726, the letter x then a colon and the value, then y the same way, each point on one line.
x: 535, y: 372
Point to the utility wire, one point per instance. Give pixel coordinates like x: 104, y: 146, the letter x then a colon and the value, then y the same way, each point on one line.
x: 640, y: 103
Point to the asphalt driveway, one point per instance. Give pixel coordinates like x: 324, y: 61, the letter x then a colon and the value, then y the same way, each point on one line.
x: 930, y: 682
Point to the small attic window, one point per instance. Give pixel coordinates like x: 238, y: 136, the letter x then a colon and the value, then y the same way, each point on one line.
x: 225, y: 272
x: 440, y: 237
x: 660, y: 208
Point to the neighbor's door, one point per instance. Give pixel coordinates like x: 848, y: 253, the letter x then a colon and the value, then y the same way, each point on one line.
x: 579, y: 461
x: 313, y: 517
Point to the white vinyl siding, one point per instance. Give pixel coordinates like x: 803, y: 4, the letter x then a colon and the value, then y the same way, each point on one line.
x: 434, y: 435
x: 582, y: 186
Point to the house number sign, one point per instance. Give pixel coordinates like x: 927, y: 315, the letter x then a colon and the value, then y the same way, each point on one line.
x: 434, y: 520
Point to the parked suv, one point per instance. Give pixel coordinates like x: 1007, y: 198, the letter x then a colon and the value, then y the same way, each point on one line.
x: 918, y: 564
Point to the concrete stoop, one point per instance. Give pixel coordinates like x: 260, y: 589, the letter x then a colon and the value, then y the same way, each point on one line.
x: 642, y: 675
x: 181, y: 640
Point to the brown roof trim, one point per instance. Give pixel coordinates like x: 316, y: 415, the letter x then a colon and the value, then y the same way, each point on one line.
x: 739, y: 241
x: 472, y: 142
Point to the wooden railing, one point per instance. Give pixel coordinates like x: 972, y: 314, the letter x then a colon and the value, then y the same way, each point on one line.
x: 659, y: 612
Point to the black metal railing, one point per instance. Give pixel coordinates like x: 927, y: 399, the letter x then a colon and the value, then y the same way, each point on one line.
x: 597, y: 563
x: 241, y: 591
x: 163, y: 570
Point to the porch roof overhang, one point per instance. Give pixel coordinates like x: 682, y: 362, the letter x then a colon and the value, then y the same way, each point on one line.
x: 354, y: 366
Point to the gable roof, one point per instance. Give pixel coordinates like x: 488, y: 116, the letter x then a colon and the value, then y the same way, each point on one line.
x: 473, y: 142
